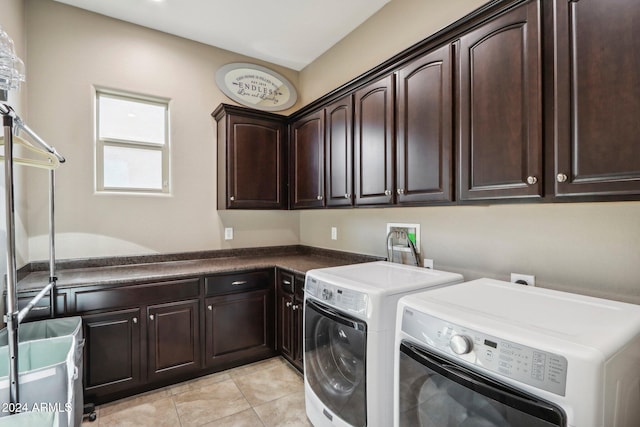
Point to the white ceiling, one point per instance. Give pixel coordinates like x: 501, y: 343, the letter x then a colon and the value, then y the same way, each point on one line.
x: 291, y: 33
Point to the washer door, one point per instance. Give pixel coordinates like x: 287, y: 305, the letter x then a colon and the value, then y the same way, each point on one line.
x: 335, y: 361
x: 436, y: 392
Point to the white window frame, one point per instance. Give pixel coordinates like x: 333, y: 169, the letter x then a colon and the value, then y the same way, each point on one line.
x: 101, y: 143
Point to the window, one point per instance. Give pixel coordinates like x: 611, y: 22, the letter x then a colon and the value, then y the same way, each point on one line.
x: 132, y: 146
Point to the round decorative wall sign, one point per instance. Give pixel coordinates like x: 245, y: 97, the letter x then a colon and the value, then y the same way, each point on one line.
x: 256, y: 86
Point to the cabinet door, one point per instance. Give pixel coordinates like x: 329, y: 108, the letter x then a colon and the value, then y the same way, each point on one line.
x: 424, y: 142
x: 307, y: 161
x: 597, y: 97
x: 500, y: 108
x: 298, y: 322
x: 251, y: 162
x: 174, y: 338
x: 239, y: 327
x: 374, y: 143
x: 285, y: 325
x: 339, y: 152
x: 112, y: 360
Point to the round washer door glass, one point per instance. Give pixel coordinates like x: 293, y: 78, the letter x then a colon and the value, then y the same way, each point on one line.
x: 335, y: 347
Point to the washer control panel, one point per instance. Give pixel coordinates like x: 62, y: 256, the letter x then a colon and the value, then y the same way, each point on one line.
x: 336, y: 296
x: 535, y: 367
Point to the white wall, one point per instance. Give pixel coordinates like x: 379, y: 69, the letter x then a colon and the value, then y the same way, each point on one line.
x: 69, y: 52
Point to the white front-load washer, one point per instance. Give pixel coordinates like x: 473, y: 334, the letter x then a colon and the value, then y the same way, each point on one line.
x: 349, y: 328
x: 496, y: 354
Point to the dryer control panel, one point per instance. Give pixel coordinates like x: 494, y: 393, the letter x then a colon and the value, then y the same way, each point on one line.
x: 532, y: 366
x: 336, y: 296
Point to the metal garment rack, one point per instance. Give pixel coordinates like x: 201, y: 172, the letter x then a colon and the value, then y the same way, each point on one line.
x: 13, y: 124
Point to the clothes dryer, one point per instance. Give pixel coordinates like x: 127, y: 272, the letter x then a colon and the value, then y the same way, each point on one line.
x: 495, y: 354
x: 349, y: 329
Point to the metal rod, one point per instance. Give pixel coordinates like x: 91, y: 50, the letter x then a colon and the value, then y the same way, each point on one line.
x: 21, y: 126
x: 6, y: 110
x: 52, y: 243
x: 12, y: 317
x: 34, y: 301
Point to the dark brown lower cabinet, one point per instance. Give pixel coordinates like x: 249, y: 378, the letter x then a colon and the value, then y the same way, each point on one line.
x: 141, y: 336
x: 239, y: 327
x: 173, y: 334
x: 298, y: 321
x: 112, y: 352
x: 290, y: 308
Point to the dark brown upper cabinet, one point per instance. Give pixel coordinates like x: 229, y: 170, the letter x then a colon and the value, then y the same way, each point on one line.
x: 500, y: 107
x: 339, y: 152
x: 306, y: 148
x: 597, y: 110
x: 251, y: 159
x: 373, y: 143
x: 424, y: 136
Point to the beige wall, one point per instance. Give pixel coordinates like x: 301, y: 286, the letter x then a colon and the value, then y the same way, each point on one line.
x: 69, y: 52
x: 12, y: 21
x: 591, y: 248
x: 586, y: 248
x: 396, y: 27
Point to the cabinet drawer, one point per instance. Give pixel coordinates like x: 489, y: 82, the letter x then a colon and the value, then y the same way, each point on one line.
x: 238, y: 282
x: 286, y: 282
x: 135, y: 295
x: 42, y: 309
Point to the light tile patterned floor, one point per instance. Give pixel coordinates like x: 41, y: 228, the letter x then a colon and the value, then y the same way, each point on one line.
x: 264, y: 394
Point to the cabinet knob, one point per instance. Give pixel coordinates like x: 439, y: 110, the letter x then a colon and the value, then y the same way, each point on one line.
x: 387, y: 192
x: 561, y: 177
x: 286, y: 282
x: 400, y: 190
x: 151, y: 316
x: 289, y: 304
x: 295, y: 307
x: 532, y: 180
x: 232, y: 198
x: 210, y: 308
x: 347, y: 196
x: 319, y: 197
x: 134, y: 320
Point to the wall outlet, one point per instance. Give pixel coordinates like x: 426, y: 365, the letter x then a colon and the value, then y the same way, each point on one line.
x: 529, y: 280
x: 228, y: 233
x: 427, y: 263
x: 334, y: 233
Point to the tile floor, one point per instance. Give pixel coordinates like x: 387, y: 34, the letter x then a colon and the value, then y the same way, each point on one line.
x: 269, y: 393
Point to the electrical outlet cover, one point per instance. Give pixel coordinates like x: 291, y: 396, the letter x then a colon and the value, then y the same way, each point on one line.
x: 228, y: 233
x: 529, y: 279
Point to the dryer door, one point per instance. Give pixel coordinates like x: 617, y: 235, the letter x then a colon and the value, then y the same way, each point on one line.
x: 436, y: 392
x: 334, y: 361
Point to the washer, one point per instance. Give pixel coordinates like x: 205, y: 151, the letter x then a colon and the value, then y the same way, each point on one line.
x: 349, y: 329
x: 495, y: 354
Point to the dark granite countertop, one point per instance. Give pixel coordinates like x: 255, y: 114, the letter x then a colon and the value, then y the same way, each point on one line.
x: 298, y: 259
